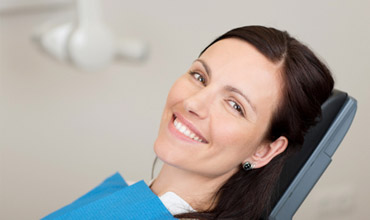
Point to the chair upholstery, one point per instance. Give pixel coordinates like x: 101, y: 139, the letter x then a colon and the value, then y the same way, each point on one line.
x: 303, y: 170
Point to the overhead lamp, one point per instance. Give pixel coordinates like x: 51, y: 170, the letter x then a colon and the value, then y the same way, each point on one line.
x: 87, y: 42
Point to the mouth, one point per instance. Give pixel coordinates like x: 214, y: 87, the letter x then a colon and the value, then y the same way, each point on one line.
x: 187, y: 129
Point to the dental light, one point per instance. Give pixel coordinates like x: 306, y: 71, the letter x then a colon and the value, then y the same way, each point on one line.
x: 87, y: 43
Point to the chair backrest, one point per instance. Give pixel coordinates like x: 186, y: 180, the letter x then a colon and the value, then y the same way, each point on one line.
x: 303, y: 170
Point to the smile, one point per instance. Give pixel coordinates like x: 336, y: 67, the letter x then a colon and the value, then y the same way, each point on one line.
x: 186, y: 131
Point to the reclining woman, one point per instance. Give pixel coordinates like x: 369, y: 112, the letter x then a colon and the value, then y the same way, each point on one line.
x: 231, y: 121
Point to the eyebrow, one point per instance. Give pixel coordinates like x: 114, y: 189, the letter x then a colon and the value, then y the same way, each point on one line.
x: 233, y: 89
x: 228, y: 87
x: 204, y: 64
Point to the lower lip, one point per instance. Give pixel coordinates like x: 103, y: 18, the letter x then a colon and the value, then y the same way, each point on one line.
x: 180, y: 135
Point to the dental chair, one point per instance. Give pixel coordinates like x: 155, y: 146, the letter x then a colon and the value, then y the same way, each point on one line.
x: 304, y: 169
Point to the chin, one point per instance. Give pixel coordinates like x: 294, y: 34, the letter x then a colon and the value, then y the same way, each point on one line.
x: 161, y: 150
x: 167, y: 153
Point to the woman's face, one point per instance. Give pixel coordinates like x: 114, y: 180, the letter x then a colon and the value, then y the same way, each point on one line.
x: 217, y: 113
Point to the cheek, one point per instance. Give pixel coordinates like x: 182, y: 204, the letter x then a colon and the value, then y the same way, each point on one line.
x: 234, y: 140
x: 164, y: 148
x: 231, y: 145
x: 178, y: 92
x: 175, y: 95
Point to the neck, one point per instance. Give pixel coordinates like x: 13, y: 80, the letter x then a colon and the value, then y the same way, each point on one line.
x: 195, y: 189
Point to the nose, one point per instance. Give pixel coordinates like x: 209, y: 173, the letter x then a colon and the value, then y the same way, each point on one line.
x: 198, y: 104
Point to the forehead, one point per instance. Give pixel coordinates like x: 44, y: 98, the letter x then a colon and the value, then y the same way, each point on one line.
x: 236, y: 62
x: 238, y: 54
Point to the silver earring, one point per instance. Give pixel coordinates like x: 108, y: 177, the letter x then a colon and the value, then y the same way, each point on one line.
x: 248, y: 166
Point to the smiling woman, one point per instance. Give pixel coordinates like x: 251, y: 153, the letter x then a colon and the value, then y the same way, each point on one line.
x: 210, y: 102
x: 247, y: 101
x: 228, y: 125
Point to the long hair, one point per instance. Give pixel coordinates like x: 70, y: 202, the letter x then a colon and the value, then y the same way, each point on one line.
x: 307, y: 83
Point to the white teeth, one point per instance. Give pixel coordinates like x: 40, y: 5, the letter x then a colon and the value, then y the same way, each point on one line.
x: 178, y: 126
x: 187, y: 132
x: 183, y: 129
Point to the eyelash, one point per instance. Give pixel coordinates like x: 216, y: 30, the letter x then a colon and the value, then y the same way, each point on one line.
x: 236, y: 107
x: 197, y: 76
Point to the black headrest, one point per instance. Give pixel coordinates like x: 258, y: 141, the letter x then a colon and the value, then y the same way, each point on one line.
x: 330, y: 109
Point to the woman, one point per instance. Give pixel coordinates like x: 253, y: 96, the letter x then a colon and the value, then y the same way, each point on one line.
x: 247, y: 101
x: 231, y: 121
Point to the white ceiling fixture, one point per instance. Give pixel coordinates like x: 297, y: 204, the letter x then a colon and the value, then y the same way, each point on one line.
x: 87, y: 42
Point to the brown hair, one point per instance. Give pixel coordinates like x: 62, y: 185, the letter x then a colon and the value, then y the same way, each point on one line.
x: 307, y: 84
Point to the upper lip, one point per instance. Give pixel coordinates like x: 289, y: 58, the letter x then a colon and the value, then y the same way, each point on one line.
x: 190, y: 126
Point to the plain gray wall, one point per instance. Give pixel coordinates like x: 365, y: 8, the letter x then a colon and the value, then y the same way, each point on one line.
x: 63, y: 130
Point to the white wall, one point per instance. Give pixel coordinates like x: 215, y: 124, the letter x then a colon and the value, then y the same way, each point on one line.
x: 63, y: 131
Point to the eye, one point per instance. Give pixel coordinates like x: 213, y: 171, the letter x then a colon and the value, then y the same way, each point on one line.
x: 236, y: 106
x: 198, y: 77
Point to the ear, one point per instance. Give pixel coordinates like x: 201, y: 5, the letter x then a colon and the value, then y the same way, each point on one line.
x: 266, y: 152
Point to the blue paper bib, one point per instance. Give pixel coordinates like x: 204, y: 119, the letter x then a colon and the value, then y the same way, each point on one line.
x: 114, y: 199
